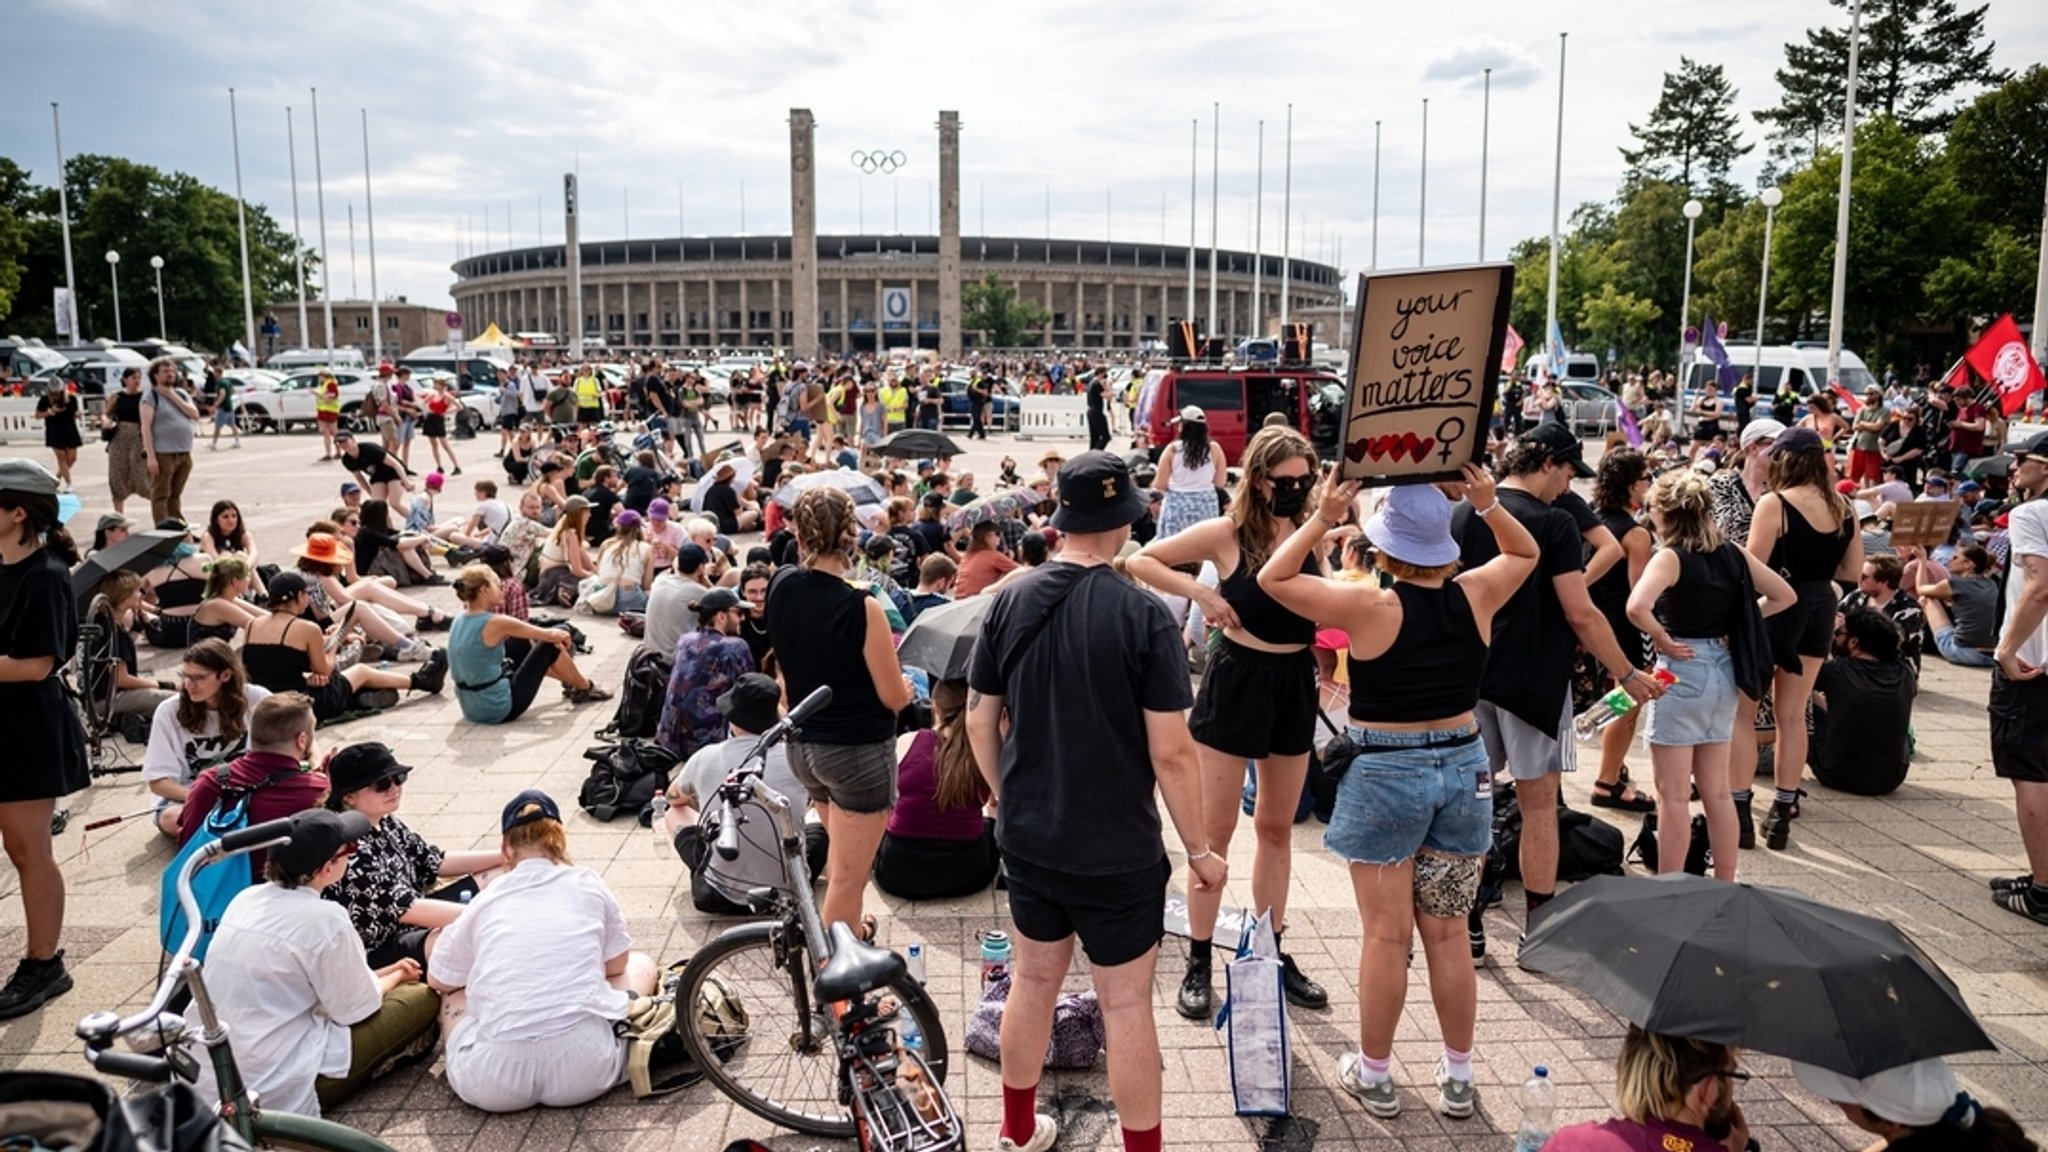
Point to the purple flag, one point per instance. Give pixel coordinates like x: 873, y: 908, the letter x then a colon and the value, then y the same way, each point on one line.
x: 1629, y: 428
x: 1726, y: 374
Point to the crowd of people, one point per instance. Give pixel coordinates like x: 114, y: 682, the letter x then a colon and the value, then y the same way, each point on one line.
x: 1744, y: 584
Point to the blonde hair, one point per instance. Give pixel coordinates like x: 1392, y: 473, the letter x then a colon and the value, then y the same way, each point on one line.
x: 824, y: 521
x: 1250, y: 509
x: 471, y: 581
x: 1654, y: 1072
x: 1685, y: 508
x: 541, y: 837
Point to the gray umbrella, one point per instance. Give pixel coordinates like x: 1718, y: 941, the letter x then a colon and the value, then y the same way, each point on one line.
x: 140, y: 552
x: 861, y: 488
x: 916, y: 443
x: 941, y: 640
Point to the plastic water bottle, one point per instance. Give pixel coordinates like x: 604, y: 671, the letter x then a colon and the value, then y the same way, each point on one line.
x: 1539, y: 1104
x: 907, y: 1034
x: 995, y: 957
x: 1587, y: 725
x: 914, y: 960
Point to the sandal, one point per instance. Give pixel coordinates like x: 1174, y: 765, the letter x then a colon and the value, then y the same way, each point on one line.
x: 1621, y: 796
x: 590, y: 694
x: 869, y: 927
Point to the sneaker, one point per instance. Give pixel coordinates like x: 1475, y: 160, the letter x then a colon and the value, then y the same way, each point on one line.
x: 1196, y: 996
x: 1745, y: 826
x: 1043, y: 1133
x: 417, y: 652
x: 2004, y: 884
x: 1302, y: 992
x: 1456, y: 1098
x: 1380, y: 1098
x: 376, y: 699
x: 2016, y: 900
x: 1777, y: 827
x: 34, y: 984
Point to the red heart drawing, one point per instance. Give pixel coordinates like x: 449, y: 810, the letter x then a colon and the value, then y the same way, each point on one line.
x: 1410, y: 446
x: 1357, y: 449
x: 1423, y: 446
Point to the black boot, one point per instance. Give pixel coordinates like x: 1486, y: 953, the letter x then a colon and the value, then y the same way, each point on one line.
x: 1746, y: 825
x: 1302, y: 992
x: 1196, y: 997
x: 1475, y: 923
x: 34, y: 983
x: 433, y: 675
x: 1778, y: 825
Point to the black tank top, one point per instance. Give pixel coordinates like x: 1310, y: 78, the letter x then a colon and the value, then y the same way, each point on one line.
x: 278, y: 667
x: 1705, y: 601
x: 1435, y: 666
x: 1804, y: 553
x: 1260, y: 614
x: 817, y: 624
x: 1610, y: 592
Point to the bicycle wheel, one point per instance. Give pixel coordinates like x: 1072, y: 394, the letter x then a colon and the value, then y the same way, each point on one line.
x: 783, y: 1066
x: 98, y: 652
x: 290, y: 1133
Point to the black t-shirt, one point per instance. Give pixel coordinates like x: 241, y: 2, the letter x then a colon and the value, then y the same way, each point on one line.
x: 372, y: 461
x: 1861, y: 745
x: 1095, y: 397
x: 1077, y: 775
x: 931, y: 534
x: 1529, y: 667
x: 45, y: 744
x: 640, y: 487
x: 1909, y: 470
x: 817, y: 624
x: 603, y: 503
x: 771, y: 473
x: 723, y: 504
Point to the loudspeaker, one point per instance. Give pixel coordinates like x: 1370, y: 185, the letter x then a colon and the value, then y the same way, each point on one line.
x: 1295, y: 342
x: 1183, y: 340
x: 1216, y: 348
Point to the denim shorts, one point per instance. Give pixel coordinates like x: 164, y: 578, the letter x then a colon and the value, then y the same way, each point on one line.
x: 1407, y: 791
x: 1700, y: 707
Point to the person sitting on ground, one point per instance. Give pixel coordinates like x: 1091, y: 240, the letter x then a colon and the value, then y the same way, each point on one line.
x: 272, y: 772
x: 603, y: 494
x: 564, y: 559
x: 174, y: 589
x: 134, y: 694
x: 1863, y: 709
x: 935, y: 579
x: 382, y: 549
x: 985, y: 562
x: 287, y: 653
x: 1673, y: 1092
x: 665, y: 534
x: 384, y: 614
x: 224, y: 610
x: 672, y: 602
x: 939, y: 844
x: 381, y: 473
x: 313, y: 1021
x: 484, y: 524
x: 750, y: 707
x: 930, y: 530
x: 553, y: 493
x: 1916, y: 1106
x: 499, y: 662
x: 388, y: 892
x: 205, y: 725
x: 1877, y: 586
x: 227, y: 534
x: 723, y: 568
x: 625, y: 566
x: 1962, y: 611
x: 524, y: 532
x: 537, y: 975
x: 707, y: 663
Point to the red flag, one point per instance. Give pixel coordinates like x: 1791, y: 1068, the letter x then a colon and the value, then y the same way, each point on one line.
x: 2001, y: 357
x: 1848, y: 400
x: 1510, y: 349
x: 1957, y: 378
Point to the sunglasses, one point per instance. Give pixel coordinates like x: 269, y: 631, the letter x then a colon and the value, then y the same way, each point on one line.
x: 344, y: 852
x: 395, y: 780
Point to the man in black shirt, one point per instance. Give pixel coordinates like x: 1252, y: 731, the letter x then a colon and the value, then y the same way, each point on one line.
x: 723, y: 503
x: 1909, y: 451
x: 1091, y: 671
x: 1525, y: 701
x: 603, y: 495
x: 1863, y: 707
x: 380, y: 473
x: 1098, y: 416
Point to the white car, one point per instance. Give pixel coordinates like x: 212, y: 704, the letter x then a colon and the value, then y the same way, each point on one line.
x: 265, y: 405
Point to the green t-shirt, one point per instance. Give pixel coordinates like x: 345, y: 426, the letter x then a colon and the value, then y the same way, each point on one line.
x: 224, y: 393
x: 561, y: 405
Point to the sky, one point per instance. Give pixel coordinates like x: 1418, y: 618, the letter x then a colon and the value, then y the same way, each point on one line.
x: 1076, y: 115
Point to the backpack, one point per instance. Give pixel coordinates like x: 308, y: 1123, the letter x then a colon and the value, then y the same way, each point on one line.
x: 215, y: 885
x: 642, y: 698
x: 1699, y: 855
x: 624, y: 777
x: 1586, y: 845
x: 375, y: 401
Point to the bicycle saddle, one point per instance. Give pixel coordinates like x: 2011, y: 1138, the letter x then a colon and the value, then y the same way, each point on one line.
x: 856, y: 968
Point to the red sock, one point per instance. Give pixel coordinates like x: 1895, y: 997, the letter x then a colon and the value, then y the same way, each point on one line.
x: 1146, y: 1141
x: 1020, y: 1114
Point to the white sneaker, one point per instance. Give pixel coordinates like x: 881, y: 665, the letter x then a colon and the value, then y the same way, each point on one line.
x: 414, y: 653
x: 1043, y: 1134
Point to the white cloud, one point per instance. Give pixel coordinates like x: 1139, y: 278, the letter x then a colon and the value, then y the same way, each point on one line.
x: 1514, y: 65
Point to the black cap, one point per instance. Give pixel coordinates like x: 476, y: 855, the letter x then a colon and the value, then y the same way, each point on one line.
x: 2034, y: 447
x: 1096, y: 494
x: 286, y: 585
x: 317, y: 835
x: 1561, y: 446
x: 754, y: 704
x: 527, y: 807
x: 715, y: 601
x: 358, y: 766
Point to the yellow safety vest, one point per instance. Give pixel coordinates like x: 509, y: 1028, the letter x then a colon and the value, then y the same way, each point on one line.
x: 325, y: 401
x: 896, y: 403
x: 588, y: 393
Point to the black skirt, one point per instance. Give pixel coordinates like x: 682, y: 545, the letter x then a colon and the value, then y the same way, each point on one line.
x: 434, y: 426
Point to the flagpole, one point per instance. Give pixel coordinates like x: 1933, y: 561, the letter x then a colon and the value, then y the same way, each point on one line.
x: 1375, y: 253
x: 64, y: 217
x: 1258, y: 245
x: 1556, y: 204
x: 1422, y: 211
x: 1836, y: 296
x: 1194, y: 196
x: 2041, y: 287
x: 1215, y: 185
x: 370, y: 227
x: 1485, y: 137
x: 241, y: 227
x: 320, y: 208
x: 298, y: 236
x: 1287, y: 223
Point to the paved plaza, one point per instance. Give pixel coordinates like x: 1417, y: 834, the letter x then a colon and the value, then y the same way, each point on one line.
x: 1919, y: 857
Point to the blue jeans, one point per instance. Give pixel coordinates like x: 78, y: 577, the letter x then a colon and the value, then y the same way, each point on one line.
x: 1958, y: 653
x: 1407, y: 791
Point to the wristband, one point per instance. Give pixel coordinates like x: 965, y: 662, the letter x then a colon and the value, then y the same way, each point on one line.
x: 1483, y: 513
x: 1329, y: 523
x: 1202, y: 855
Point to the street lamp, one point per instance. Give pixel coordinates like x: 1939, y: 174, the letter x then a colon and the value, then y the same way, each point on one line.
x: 163, y: 332
x: 114, y: 270
x: 1771, y: 197
x: 1693, y: 208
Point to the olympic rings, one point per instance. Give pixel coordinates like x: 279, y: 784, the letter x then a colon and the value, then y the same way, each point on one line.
x: 879, y: 160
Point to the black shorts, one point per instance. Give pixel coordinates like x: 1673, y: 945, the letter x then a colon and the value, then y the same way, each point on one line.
x: 2019, y: 728
x: 333, y: 699
x: 408, y: 943
x: 509, y: 421
x: 1256, y: 704
x: 1807, y: 628
x: 1118, y: 917
x: 589, y: 415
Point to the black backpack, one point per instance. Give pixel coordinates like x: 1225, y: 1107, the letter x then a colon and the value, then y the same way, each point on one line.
x: 624, y: 777
x: 641, y: 700
x: 1586, y: 845
x: 1699, y: 855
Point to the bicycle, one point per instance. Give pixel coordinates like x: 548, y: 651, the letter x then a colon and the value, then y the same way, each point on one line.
x: 842, y: 1016
x: 172, y: 1060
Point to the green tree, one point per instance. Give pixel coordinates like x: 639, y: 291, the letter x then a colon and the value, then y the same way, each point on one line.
x: 1692, y: 136
x: 14, y: 196
x: 1918, y: 58
x: 1616, y: 319
x: 1998, y: 148
x: 1728, y: 261
x: 1998, y: 276
x: 994, y: 309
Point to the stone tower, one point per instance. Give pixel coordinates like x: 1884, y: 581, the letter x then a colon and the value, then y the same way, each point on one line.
x: 949, y: 235
x: 803, y: 233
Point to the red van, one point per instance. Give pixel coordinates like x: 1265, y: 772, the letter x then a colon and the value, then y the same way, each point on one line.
x: 1237, y: 400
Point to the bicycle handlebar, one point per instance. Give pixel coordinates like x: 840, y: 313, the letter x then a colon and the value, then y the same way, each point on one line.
x: 133, y: 1065
x: 255, y: 836
x: 743, y: 782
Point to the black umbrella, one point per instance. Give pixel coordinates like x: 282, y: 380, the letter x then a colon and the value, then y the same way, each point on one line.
x: 863, y: 489
x: 1761, y: 968
x: 941, y: 639
x: 140, y: 552
x: 1985, y: 467
x: 918, y: 443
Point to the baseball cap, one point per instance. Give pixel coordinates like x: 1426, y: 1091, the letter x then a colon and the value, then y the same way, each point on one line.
x: 1797, y: 441
x: 1761, y: 429
x: 1935, y: 479
x: 31, y: 477
x: 113, y: 520
x: 436, y: 481
x: 1560, y: 446
x: 1096, y: 494
x: 1413, y: 525
x: 627, y: 518
x: 317, y: 834
x: 576, y: 504
x: 715, y: 601
x: 350, y: 487
x: 1917, y: 1095
x: 527, y: 807
x: 2036, y: 447
x: 384, y: 369
x: 1193, y: 415
x: 286, y: 585
x: 657, y: 509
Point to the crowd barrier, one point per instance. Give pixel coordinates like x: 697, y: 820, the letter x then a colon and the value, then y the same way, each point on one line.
x: 1053, y: 417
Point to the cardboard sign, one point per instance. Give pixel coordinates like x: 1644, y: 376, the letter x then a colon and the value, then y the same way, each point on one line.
x: 1425, y: 363
x: 1925, y: 523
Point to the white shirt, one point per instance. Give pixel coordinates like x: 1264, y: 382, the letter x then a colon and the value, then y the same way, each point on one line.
x: 760, y: 860
x: 289, y: 977
x: 495, y: 516
x: 2027, y: 529
x: 671, y: 611
x: 177, y: 754
x: 531, y: 951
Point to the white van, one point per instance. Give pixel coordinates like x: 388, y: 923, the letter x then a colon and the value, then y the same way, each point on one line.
x: 296, y: 358
x: 1577, y: 366
x: 1803, y: 367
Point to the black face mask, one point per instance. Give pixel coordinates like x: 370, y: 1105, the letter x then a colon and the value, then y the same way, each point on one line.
x: 1290, y: 495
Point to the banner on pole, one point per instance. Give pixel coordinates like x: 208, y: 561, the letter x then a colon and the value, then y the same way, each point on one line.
x: 62, y: 301
x: 1425, y: 366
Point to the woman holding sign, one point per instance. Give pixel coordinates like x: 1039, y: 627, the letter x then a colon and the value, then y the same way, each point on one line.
x: 1258, y: 698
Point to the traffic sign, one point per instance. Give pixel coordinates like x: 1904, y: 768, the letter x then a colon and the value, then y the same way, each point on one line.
x: 454, y: 320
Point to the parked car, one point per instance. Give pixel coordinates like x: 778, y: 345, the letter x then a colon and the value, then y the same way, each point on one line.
x: 276, y: 405
x: 1590, y: 408
x: 1003, y: 412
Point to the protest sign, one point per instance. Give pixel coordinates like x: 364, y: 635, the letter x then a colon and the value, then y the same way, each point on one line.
x: 1924, y: 523
x: 1425, y: 362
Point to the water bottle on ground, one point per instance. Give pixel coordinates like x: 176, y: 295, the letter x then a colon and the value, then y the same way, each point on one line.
x: 995, y: 957
x: 1539, y: 1105
x: 1587, y: 725
x: 913, y: 960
